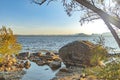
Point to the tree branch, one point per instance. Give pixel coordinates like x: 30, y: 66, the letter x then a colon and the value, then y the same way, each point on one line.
x: 101, y: 13
x: 39, y: 2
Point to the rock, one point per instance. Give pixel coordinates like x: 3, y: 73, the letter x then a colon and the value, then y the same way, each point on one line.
x: 46, y: 59
x: 39, y: 54
x: 27, y: 64
x: 83, y: 75
x: 23, y: 55
x: 47, y: 69
x: 41, y: 63
x: 1, y: 78
x: 56, y: 53
x: 34, y: 56
x: 14, y: 75
x: 55, y: 65
x: 21, y: 65
x: 64, y: 69
x: 77, y: 53
x: 50, y: 54
x: 56, y: 58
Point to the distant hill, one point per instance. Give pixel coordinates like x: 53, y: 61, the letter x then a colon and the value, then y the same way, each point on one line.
x: 107, y: 34
x: 103, y: 34
x: 81, y: 34
x: 78, y: 34
x: 110, y: 34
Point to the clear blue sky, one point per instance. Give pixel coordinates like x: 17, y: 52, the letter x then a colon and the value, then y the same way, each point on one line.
x: 25, y: 17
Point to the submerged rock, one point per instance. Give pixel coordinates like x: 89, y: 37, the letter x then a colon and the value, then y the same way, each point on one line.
x: 48, y: 58
x: 71, y: 73
x: 77, y: 53
x: 55, y: 65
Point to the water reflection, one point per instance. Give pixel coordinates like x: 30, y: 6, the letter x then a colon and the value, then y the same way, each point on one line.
x: 36, y: 72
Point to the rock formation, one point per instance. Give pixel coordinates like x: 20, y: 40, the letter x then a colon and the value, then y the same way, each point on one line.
x: 77, y: 53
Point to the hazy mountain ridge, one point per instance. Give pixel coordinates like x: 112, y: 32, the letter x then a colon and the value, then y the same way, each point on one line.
x: 78, y: 34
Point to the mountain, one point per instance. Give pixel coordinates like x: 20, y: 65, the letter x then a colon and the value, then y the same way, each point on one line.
x: 109, y: 34
x: 81, y: 34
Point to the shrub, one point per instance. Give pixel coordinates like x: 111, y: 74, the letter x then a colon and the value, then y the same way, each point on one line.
x: 110, y: 72
x: 8, y: 44
x: 100, y: 53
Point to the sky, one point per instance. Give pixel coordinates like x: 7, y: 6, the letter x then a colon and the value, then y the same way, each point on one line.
x: 27, y: 18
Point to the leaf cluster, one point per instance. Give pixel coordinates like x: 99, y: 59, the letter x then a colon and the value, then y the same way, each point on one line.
x: 110, y: 72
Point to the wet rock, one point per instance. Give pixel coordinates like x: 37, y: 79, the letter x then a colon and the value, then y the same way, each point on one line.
x: 56, y: 53
x: 50, y: 54
x: 64, y: 69
x: 41, y: 63
x: 27, y: 64
x: 46, y: 59
x: 55, y: 65
x: 47, y: 69
x: 77, y: 53
x: 56, y: 58
x: 35, y: 57
x: 39, y: 54
x: 23, y: 55
x: 21, y: 64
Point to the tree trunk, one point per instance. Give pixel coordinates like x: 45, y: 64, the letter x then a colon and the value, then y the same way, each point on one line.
x: 106, y: 18
x: 101, y: 13
x: 113, y: 32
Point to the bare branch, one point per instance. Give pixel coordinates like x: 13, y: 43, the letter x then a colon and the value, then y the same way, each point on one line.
x: 39, y: 2
x: 93, y: 2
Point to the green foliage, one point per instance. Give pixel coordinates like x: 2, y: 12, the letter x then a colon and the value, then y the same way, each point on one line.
x: 8, y: 43
x: 100, y: 53
x: 110, y: 72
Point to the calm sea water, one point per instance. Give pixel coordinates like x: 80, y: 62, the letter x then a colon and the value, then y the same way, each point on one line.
x: 54, y: 43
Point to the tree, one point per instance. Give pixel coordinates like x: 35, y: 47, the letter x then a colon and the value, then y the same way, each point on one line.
x: 107, y: 10
x: 8, y: 44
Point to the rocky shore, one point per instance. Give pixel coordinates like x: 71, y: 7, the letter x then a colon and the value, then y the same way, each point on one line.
x: 49, y: 58
x: 17, y: 75
x: 13, y: 68
x: 76, y: 56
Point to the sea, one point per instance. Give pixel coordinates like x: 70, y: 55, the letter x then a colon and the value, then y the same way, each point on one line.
x: 54, y: 43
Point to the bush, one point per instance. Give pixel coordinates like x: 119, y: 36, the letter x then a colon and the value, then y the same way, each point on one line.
x: 110, y: 72
x: 8, y: 44
x: 100, y: 53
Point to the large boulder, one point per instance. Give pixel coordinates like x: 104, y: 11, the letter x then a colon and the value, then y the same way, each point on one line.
x: 77, y: 53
